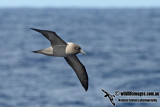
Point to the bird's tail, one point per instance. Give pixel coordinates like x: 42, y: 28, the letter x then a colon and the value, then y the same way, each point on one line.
x: 38, y: 51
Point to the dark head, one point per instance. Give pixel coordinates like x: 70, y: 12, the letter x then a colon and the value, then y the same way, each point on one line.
x: 74, y: 49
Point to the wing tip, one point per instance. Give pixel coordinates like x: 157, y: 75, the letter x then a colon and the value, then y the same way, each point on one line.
x: 103, y: 90
x: 32, y: 28
x: 86, y: 88
x: 38, y: 30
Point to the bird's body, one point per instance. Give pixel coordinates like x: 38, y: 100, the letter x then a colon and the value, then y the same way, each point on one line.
x: 68, y: 50
x: 60, y: 50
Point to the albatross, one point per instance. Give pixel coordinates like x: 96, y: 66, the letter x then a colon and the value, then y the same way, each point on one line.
x: 68, y: 50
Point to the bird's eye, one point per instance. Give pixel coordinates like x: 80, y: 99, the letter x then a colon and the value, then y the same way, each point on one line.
x: 77, y: 48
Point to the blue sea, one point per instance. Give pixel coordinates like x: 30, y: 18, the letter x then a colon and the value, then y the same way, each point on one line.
x: 123, y: 54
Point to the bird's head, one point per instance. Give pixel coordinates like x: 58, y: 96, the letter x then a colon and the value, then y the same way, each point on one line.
x: 73, y: 48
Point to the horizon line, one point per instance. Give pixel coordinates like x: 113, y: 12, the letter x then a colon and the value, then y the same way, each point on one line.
x: 82, y: 7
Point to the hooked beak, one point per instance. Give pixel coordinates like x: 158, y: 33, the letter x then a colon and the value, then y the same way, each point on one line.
x: 82, y: 52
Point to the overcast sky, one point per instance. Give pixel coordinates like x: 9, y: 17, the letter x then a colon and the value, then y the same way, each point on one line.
x: 80, y: 3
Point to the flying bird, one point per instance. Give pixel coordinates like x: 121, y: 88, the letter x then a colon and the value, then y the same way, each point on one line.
x: 109, y: 96
x: 68, y: 50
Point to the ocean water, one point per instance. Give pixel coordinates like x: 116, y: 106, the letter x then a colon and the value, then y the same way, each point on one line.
x: 123, y: 53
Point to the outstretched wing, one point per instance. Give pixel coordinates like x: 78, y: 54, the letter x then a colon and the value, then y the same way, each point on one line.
x: 112, y: 101
x: 80, y: 70
x: 51, y: 36
x: 105, y: 91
